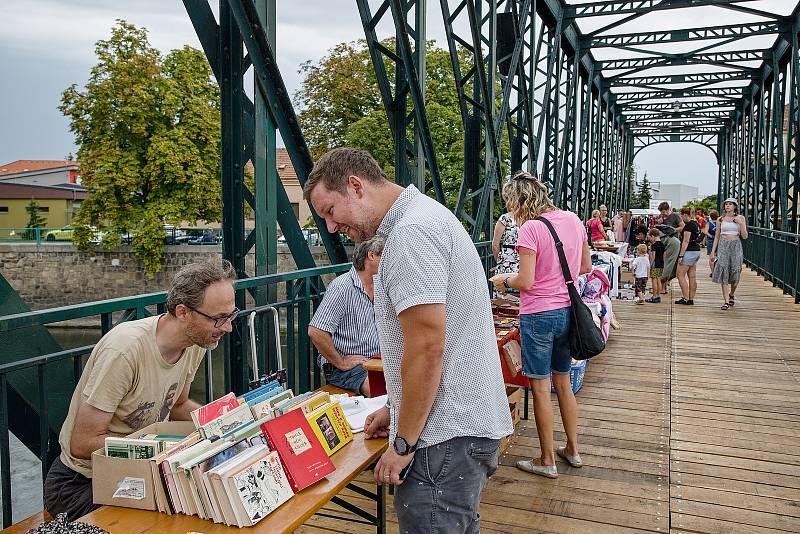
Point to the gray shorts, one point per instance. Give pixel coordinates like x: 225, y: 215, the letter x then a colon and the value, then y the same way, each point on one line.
x: 443, y: 490
x: 691, y: 257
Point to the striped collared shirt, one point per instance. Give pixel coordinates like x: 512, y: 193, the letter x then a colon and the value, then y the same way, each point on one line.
x: 430, y: 259
x: 346, y: 313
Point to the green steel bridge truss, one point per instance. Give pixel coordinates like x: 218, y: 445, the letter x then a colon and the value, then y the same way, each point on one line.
x: 573, y: 107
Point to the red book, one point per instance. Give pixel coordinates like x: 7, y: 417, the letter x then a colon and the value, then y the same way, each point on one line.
x: 301, y: 453
x: 214, y: 409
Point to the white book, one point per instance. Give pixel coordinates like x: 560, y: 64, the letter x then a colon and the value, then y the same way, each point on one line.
x: 228, y: 422
x: 260, y: 488
x: 217, y: 481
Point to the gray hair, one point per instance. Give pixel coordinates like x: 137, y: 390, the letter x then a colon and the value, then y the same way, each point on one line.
x: 191, y: 281
x: 373, y: 244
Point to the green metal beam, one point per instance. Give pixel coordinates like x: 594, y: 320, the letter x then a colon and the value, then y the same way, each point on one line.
x: 731, y: 31
x: 689, y: 58
x: 624, y: 7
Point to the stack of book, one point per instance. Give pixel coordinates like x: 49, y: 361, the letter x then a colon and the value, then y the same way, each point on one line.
x: 248, y: 455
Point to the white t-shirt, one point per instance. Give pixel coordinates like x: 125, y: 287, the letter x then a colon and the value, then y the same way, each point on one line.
x: 641, y: 266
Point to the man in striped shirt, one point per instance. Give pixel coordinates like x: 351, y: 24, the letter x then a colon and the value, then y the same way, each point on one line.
x: 343, y: 328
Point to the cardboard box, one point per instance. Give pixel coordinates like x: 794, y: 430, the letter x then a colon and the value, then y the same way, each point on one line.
x: 131, y: 480
x: 504, y: 443
x: 515, y: 400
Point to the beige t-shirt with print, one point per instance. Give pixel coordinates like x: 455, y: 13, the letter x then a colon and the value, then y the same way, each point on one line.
x: 127, y: 375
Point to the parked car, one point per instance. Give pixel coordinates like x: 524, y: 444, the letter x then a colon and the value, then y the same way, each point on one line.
x: 66, y: 234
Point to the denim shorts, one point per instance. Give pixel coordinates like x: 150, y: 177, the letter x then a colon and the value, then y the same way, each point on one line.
x: 350, y: 380
x: 691, y: 257
x: 545, y: 343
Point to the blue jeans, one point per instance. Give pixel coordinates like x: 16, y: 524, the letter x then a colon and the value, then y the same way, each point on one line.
x: 443, y: 490
x: 350, y: 380
x: 545, y: 343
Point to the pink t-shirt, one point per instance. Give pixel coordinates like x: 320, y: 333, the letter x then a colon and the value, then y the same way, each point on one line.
x: 598, y: 233
x: 549, y: 292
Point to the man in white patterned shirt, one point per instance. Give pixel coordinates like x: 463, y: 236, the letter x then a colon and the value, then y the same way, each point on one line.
x: 448, y: 406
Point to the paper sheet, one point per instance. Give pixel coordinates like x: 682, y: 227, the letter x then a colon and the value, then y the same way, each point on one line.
x: 356, y: 410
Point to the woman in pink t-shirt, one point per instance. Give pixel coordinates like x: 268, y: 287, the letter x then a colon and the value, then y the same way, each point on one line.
x: 595, y: 225
x: 545, y: 311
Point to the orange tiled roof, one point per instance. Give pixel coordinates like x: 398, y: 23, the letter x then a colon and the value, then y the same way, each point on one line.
x: 285, y: 167
x: 27, y: 165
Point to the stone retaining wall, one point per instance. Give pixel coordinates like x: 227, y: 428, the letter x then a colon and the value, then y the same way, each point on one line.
x: 52, y: 275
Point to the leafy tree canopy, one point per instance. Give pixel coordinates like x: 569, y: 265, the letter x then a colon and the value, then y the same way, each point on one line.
x: 707, y: 204
x: 148, y: 133
x: 340, y: 105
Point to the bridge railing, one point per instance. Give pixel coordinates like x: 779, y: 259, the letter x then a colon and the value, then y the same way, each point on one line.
x: 775, y: 255
x: 302, y: 291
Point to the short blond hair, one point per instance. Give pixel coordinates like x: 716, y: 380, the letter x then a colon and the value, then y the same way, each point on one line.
x: 526, y: 197
x: 641, y: 248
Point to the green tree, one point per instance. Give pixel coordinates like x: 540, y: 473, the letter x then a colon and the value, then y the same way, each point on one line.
x: 340, y: 105
x: 148, y: 134
x: 707, y: 204
x: 35, y: 219
x: 641, y: 200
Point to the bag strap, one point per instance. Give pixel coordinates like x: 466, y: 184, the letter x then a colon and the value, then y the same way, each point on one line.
x: 562, y: 258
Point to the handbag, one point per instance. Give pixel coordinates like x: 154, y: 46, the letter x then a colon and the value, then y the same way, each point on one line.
x: 585, y: 339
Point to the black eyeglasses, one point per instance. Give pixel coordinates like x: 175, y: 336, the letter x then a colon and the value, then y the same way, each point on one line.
x: 218, y: 321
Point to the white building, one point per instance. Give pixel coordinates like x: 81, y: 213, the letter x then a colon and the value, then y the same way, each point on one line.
x: 676, y: 194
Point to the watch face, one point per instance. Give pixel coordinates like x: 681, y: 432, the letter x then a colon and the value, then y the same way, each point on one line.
x: 400, y: 446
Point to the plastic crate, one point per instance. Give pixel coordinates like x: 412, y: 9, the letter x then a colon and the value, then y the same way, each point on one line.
x: 576, y: 373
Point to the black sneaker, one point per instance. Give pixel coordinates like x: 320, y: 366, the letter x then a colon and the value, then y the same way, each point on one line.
x: 690, y: 302
x: 683, y: 301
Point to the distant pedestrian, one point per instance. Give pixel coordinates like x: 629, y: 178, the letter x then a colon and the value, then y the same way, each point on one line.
x: 604, y: 218
x: 668, y: 216
x: 504, y: 242
x: 641, y: 272
x: 657, y: 249
x: 711, y: 232
x: 688, y: 258
x: 727, y: 254
x: 595, y: 226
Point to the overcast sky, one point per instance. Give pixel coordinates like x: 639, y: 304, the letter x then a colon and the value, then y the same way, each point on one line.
x: 49, y: 44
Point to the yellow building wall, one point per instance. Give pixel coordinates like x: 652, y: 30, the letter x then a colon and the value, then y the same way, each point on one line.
x: 13, y: 215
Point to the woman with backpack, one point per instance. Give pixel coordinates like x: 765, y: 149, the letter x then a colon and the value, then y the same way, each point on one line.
x: 545, y: 311
x: 726, y: 253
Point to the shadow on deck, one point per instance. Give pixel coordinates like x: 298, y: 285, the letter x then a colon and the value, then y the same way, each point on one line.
x: 689, y: 422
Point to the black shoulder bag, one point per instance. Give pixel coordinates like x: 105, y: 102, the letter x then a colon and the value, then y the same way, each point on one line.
x: 585, y: 339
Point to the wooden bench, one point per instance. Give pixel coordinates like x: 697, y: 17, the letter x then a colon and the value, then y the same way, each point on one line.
x: 26, y: 524
x: 350, y: 461
x: 356, y: 457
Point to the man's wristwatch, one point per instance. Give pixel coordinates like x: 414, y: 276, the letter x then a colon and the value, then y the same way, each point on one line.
x: 402, y: 447
x: 505, y: 283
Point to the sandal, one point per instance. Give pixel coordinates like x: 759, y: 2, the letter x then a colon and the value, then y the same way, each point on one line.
x: 725, y: 306
x: 731, y: 302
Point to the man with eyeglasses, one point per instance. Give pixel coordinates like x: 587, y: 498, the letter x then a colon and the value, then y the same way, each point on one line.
x: 140, y: 373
